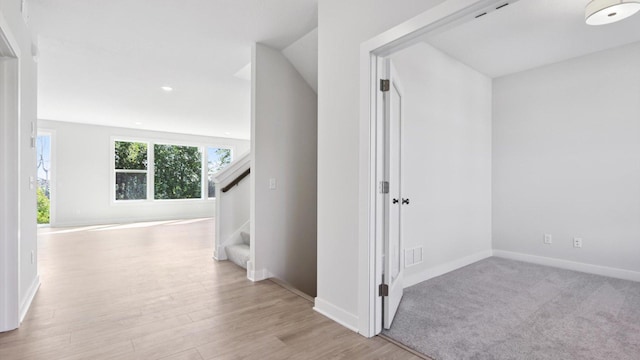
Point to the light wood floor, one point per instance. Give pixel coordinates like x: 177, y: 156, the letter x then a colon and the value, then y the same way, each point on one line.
x: 153, y: 292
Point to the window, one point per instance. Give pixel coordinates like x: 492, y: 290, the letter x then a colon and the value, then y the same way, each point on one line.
x: 178, y: 172
x: 130, y: 170
x: 152, y: 171
x: 217, y: 159
x: 43, y: 149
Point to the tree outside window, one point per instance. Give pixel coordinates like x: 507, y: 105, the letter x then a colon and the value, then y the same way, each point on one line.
x: 178, y: 172
x: 217, y: 159
x: 131, y: 164
x: 43, y: 148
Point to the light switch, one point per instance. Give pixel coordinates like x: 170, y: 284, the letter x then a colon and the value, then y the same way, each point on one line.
x: 272, y: 184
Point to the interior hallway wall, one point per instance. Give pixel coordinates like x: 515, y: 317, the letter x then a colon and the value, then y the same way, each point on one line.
x: 82, y: 162
x: 10, y: 10
x: 342, y: 27
x: 446, y: 161
x: 566, y: 159
x: 284, y: 150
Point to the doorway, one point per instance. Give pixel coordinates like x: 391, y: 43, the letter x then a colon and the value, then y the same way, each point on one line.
x: 519, y: 69
x: 378, y: 299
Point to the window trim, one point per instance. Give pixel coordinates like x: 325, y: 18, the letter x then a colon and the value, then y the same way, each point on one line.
x: 150, y: 141
x: 200, y: 150
x: 114, y: 171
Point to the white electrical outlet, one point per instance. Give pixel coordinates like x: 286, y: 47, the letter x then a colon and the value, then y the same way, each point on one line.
x: 577, y: 242
x: 412, y: 256
x: 548, y: 239
x: 408, y: 257
x: 417, y: 255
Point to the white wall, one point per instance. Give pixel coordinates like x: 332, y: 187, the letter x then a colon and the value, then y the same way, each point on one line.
x: 342, y: 27
x: 566, y: 159
x: 303, y: 55
x: 82, y: 163
x: 29, y: 279
x: 283, y: 143
x: 446, y: 160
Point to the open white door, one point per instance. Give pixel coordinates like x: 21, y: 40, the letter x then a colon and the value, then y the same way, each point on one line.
x: 393, y: 259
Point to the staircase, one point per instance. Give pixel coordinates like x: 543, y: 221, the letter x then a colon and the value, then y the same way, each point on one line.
x: 240, y: 253
x: 233, y: 199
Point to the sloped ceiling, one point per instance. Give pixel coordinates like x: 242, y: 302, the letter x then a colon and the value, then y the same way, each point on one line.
x: 303, y: 54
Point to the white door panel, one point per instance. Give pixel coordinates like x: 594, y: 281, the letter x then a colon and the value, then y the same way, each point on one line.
x: 394, y: 261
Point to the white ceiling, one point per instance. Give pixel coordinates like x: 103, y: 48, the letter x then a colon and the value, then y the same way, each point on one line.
x: 303, y: 54
x: 104, y: 61
x: 531, y: 33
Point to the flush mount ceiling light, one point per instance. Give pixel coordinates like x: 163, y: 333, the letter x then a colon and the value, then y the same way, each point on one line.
x: 601, y: 12
x: 166, y: 88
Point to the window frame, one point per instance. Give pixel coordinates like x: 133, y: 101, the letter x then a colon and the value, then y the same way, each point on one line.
x: 52, y: 171
x: 166, y: 143
x: 150, y: 172
x: 114, y: 171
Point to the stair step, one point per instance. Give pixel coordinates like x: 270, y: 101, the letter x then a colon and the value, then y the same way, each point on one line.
x: 246, y: 237
x: 239, y: 254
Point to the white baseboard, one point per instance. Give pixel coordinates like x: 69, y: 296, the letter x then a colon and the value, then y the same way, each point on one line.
x: 25, y: 304
x: 292, y: 289
x: 106, y: 221
x: 219, y: 254
x: 336, y: 314
x: 257, y: 275
x: 430, y: 273
x: 570, y: 265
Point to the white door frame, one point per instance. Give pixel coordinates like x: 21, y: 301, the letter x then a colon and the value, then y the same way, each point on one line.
x: 9, y: 179
x: 371, y: 211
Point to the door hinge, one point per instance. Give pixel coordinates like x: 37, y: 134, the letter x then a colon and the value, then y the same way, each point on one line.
x: 384, y: 187
x: 384, y: 85
x: 383, y: 290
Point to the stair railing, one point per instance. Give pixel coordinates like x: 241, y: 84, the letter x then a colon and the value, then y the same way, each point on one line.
x: 236, y: 181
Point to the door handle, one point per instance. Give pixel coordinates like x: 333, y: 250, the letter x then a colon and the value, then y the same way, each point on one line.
x: 395, y: 201
x: 405, y: 201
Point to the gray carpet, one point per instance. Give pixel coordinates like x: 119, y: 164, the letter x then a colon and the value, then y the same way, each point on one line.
x: 504, y: 309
